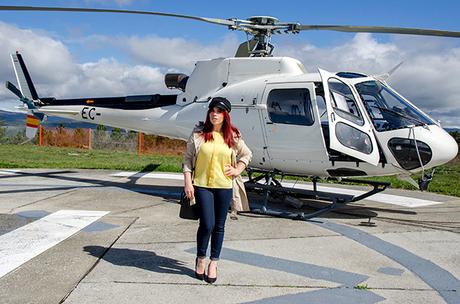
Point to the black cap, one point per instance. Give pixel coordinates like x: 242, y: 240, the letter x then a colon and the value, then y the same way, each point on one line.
x: 221, y: 103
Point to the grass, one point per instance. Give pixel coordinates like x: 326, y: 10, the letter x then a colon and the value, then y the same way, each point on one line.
x: 362, y: 287
x: 446, y: 179
x: 30, y: 156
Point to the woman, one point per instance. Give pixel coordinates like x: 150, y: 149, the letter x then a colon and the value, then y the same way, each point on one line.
x: 215, y: 155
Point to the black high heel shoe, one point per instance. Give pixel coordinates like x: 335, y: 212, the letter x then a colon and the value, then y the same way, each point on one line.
x: 199, y: 276
x: 211, y: 280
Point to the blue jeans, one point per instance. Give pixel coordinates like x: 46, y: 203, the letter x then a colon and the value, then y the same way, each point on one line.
x: 213, y: 206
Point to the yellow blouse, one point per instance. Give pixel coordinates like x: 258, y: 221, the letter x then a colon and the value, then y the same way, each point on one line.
x: 210, y: 164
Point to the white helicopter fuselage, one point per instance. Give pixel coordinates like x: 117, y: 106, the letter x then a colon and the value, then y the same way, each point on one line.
x: 288, y: 121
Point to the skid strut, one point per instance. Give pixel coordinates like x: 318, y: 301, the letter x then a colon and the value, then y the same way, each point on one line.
x: 271, y: 186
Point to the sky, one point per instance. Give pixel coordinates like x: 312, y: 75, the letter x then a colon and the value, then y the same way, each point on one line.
x: 87, y: 54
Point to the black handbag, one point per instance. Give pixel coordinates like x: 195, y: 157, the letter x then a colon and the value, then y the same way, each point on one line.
x: 188, y: 210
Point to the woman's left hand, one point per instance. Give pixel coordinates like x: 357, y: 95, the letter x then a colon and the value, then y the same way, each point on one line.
x: 229, y: 170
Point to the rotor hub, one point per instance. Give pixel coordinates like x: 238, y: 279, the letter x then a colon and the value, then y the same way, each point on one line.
x: 263, y: 20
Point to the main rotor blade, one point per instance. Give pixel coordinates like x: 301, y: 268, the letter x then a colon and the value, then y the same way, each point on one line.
x: 380, y: 29
x: 96, y: 10
x: 246, y: 25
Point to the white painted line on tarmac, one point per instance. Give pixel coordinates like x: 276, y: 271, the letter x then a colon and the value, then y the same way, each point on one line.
x: 9, y: 172
x: 20, y: 245
x: 398, y: 200
x: 175, y: 176
x: 404, y: 201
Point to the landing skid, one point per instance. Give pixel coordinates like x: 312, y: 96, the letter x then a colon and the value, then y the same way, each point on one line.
x: 266, y: 184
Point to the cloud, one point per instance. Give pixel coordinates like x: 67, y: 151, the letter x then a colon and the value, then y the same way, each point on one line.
x: 56, y: 73
x: 427, y: 77
x: 177, y: 52
x: 362, y: 53
x: 43, y: 53
x: 174, y: 53
x: 109, y: 77
x: 449, y: 117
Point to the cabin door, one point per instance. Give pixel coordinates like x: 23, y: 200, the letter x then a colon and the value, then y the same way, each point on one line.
x: 293, y: 134
x: 349, y: 129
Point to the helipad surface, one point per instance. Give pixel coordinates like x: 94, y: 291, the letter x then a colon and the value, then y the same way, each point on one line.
x: 115, y: 237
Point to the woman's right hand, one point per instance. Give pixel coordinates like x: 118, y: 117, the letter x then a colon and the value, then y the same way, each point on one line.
x: 189, y: 191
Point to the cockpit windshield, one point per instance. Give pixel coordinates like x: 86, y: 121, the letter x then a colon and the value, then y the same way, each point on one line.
x: 387, y: 110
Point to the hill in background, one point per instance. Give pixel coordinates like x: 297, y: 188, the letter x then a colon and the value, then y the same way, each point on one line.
x: 14, y: 119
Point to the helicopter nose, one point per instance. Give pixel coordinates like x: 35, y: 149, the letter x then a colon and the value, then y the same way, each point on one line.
x: 444, y: 146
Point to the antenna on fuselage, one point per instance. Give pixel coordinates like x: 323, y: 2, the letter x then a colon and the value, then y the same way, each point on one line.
x: 385, y: 76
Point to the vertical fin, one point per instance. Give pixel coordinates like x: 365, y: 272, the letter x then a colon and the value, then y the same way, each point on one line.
x: 32, y: 124
x: 23, y: 77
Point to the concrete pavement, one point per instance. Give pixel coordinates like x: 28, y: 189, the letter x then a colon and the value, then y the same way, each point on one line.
x: 141, y: 252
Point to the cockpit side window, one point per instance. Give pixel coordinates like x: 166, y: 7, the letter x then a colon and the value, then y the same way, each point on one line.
x: 344, y: 102
x: 290, y: 106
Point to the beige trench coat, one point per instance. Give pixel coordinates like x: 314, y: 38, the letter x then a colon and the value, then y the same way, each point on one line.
x: 240, y: 153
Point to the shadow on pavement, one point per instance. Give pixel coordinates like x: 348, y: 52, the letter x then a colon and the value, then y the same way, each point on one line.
x: 142, y: 259
x: 166, y: 192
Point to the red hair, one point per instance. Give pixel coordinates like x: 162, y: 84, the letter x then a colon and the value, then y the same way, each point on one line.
x: 228, y: 130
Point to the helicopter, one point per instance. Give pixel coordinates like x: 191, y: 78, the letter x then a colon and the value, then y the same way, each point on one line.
x: 296, y: 122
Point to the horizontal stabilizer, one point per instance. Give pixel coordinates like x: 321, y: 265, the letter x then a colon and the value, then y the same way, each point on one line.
x: 13, y: 89
x: 17, y: 92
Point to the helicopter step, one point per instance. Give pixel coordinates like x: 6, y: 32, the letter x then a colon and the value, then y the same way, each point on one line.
x: 266, y: 184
